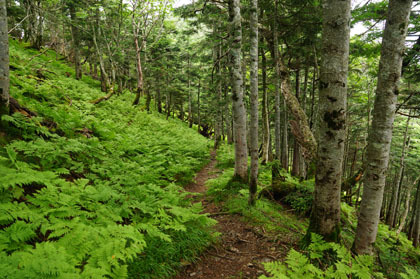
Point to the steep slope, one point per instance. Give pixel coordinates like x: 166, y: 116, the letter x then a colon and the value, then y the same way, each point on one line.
x: 93, y: 191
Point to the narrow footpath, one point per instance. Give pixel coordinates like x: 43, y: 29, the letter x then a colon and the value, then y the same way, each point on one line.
x: 241, y: 250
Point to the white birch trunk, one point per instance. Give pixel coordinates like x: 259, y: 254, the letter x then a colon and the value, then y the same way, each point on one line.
x: 254, y: 101
x: 383, y: 119
x: 239, y: 113
x: 325, y: 217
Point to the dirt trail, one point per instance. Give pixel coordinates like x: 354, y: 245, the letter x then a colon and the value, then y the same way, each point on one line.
x: 242, y: 248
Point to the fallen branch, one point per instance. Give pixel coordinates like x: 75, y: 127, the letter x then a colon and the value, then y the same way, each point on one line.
x: 104, y: 98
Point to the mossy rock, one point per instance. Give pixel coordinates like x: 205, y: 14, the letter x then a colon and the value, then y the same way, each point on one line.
x: 278, y: 190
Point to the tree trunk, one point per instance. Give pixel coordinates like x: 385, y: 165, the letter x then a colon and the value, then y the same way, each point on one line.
x: 325, y: 216
x: 139, y: 90
x: 416, y: 224
x: 383, y: 119
x: 239, y: 113
x: 105, y: 84
x: 76, y: 44
x: 277, y: 84
x: 4, y: 60
x: 390, y: 220
x: 407, y: 205
x: 218, y: 124
x: 265, y: 119
x: 190, y: 115
x: 285, y: 138
x: 198, y: 105
x: 229, y: 131
x: 158, y: 99
x: 312, y: 114
x: 254, y: 101
x: 296, y: 146
x: 302, y: 167
x: 299, y: 126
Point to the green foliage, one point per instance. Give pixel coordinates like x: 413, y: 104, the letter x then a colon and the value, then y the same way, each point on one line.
x: 93, y: 191
x: 396, y: 253
x: 323, y: 260
x: 234, y: 196
x: 301, y: 199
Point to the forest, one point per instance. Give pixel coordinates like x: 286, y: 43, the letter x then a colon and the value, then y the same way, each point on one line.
x: 209, y: 139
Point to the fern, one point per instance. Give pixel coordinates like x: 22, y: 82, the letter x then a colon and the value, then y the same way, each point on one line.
x: 312, y: 264
x: 87, y: 196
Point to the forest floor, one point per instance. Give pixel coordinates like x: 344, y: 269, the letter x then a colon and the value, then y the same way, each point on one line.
x: 241, y: 248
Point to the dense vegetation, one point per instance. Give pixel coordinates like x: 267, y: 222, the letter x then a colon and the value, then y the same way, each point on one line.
x: 109, y: 107
x: 87, y: 194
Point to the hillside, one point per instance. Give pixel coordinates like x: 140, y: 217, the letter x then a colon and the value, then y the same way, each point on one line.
x: 209, y: 139
x: 91, y: 191
x: 97, y: 190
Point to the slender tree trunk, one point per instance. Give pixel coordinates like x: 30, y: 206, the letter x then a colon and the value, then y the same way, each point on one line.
x: 218, y: 126
x: 139, y: 68
x: 229, y: 131
x: 190, y: 115
x: 407, y: 205
x: 265, y: 119
x: 325, y: 216
x: 239, y: 113
x: 76, y: 44
x: 392, y: 189
x: 312, y: 114
x: 285, y: 138
x: 105, y: 84
x: 198, y: 105
x: 158, y: 100
x: 416, y: 224
x: 277, y: 84
x: 254, y: 101
x: 149, y: 99
x: 383, y: 119
x: 302, y: 167
x: 4, y: 60
x: 399, y: 199
x: 390, y: 220
x: 296, y: 146
x: 413, y: 216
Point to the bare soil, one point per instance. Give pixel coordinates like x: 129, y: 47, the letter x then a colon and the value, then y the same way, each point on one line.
x: 242, y: 247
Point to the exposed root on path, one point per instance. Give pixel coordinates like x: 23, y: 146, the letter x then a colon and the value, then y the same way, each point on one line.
x: 242, y: 248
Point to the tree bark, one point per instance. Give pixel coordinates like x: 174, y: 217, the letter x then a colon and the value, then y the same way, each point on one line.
x: 299, y: 126
x: 4, y: 60
x: 416, y: 225
x: 239, y: 113
x: 296, y: 146
x: 302, y: 167
x: 277, y: 84
x: 228, y: 119
x: 218, y: 125
x: 285, y: 137
x: 198, y: 105
x: 190, y: 115
x: 254, y: 101
x: 383, y: 119
x: 325, y: 216
x: 265, y: 119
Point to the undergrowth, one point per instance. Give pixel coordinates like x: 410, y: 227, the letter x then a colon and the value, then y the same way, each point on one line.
x: 93, y: 191
x: 396, y: 258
